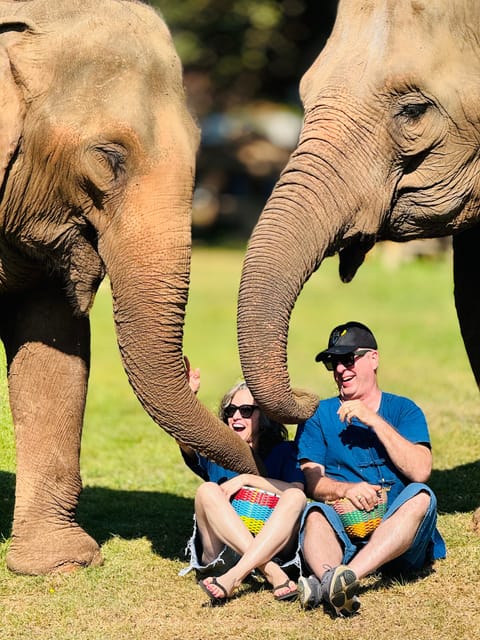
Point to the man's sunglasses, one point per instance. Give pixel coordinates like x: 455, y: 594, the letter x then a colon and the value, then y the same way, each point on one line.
x: 246, y: 410
x: 347, y: 359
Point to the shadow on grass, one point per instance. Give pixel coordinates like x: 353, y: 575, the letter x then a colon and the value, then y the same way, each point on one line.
x: 457, y: 489
x: 164, y: 519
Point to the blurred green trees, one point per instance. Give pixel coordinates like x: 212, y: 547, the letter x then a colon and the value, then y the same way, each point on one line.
x: 250, y: 48
x: 243, y: 60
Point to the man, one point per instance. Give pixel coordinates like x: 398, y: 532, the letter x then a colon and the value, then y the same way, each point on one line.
x: 354, y: 445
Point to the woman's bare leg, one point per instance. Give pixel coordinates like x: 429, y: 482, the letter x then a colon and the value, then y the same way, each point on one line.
x: 278, y: 532
x: 218, y: 523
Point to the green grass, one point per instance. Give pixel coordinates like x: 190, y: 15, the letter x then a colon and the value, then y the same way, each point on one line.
x: 138, y: 494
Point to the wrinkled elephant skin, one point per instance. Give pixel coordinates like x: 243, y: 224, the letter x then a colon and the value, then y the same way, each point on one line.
x: 389, y: 150
x: 97, y: 161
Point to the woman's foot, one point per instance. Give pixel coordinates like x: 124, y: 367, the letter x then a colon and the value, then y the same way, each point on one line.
x: 217, y: 593
x: 283, y: 587
x: 286, y: 591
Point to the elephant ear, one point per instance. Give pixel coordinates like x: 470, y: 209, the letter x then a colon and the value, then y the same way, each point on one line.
x: 12, y: 103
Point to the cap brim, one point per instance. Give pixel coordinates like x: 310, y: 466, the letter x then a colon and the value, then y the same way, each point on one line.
x: 334, y: 351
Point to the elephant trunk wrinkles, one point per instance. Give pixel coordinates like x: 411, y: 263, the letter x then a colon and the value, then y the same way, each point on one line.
x: 302, y: 223
x: 150, y: 291
x: 271, y: 282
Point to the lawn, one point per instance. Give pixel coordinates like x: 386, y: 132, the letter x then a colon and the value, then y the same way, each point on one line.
x: 138, y: 494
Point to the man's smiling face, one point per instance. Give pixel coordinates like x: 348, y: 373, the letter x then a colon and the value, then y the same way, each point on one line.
x: 357, y: 381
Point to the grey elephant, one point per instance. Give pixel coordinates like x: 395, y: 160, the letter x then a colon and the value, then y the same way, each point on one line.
x: 389, y: 149
x: 97, y: 159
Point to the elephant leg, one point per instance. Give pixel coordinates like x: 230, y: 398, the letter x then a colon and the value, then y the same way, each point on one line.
x: 48, y: 364
x: 466, y: 272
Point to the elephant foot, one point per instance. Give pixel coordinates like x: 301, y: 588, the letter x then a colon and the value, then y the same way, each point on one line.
x: 53, y: 551
x: 476, y: 521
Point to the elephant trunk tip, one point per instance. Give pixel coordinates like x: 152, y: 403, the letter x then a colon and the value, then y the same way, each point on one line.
x: 302, y: 406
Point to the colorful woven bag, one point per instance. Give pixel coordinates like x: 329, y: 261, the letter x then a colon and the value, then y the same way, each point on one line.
x: 254, y: 506
x: 359, y: 524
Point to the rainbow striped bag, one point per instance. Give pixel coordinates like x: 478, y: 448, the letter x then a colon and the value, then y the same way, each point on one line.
x: 254, y: 506
x: 360, y: 524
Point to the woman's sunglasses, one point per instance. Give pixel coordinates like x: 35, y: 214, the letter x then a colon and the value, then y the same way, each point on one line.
x: 347, y: 360
x: 246, y: 410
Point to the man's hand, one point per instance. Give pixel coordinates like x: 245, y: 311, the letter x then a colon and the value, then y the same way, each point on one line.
x: 413, y: 460
x: 363, y: 495
x: 357, y: 409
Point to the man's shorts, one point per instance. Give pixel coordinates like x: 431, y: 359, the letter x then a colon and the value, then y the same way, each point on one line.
x: 427, y: 545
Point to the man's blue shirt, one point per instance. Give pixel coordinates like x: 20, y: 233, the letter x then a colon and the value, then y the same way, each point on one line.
x: 352, y: 452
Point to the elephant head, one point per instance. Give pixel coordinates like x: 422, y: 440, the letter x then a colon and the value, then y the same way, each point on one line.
x: 97, y: 159
x: 389, y: 149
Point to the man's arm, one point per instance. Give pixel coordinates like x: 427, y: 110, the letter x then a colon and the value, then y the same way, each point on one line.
x: 319, y: 487
x: 413, y: 460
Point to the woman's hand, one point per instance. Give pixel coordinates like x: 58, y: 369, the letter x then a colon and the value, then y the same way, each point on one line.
x: 193, y: 375
x: 230, y: 487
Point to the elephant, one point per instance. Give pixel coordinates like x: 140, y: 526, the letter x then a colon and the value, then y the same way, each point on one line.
x: 97, y: 165
x: 389, y: 150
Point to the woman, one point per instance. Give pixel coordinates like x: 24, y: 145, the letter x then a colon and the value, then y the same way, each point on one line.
x: 218, y: 528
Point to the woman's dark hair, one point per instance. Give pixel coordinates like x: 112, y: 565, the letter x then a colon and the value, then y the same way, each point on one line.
x: 270, y: 434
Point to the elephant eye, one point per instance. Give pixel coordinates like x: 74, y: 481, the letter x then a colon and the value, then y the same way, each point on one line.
x: 114, y: 156
x: 104, y: 170
x: 418, y: 125
x: 413, y: 110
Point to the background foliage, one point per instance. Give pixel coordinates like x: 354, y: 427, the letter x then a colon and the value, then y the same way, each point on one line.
x: 249, y: 48
x: 243, y: 60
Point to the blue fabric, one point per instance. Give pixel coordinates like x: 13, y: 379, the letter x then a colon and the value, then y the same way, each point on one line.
x: 353, y: 453
x: 428, y: 544
x: 280, y: 464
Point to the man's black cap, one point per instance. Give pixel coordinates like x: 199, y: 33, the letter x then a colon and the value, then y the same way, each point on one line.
x: 346, y: 338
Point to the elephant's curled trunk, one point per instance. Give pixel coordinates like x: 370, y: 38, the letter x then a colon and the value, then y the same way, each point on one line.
x: 275, y: 269
x: 308, y: 217
x: 150, y: 291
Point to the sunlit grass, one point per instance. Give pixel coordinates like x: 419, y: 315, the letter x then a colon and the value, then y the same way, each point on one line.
x: 138, y: 494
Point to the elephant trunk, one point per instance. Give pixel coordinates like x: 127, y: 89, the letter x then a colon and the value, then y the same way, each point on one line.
x: 146, y: 251
x: 307, y: 218
x: 271, y: 281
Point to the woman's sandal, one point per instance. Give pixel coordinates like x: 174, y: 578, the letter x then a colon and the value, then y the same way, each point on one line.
x: 215, y: 599
x: 289, y: 595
